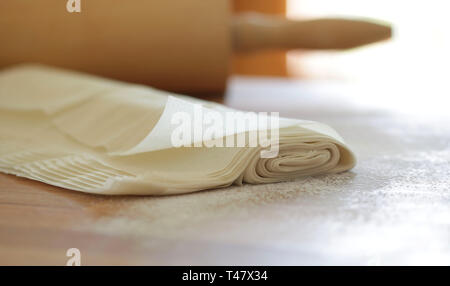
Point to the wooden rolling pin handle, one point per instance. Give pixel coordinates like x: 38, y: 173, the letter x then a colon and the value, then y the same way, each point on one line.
x: 256, y: 31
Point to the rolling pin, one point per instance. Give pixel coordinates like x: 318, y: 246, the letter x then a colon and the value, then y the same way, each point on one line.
x: 177, y: 45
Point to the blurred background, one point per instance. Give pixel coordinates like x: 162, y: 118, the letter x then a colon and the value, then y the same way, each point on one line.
x: 412, y: 65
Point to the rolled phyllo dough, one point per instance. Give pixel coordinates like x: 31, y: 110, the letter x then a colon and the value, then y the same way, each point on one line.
x: 95, y: 135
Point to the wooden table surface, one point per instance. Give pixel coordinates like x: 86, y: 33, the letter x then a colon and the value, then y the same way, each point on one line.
x: 393, y: 208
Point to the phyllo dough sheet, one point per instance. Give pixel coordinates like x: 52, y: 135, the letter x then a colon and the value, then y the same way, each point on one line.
x: 95, y: 135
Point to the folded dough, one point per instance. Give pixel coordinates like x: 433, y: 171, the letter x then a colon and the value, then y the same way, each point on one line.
x: 94, y: 135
